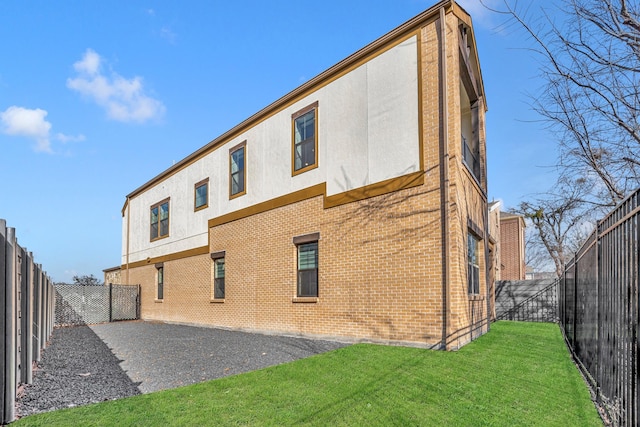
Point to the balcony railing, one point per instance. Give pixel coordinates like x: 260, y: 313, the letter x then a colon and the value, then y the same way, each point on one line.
x: 470, y: 158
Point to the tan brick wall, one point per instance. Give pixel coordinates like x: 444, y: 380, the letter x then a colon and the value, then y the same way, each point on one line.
x: 380, y: 259
x: 512, y: 249
x: 468, y: 203
x: 379, y: 272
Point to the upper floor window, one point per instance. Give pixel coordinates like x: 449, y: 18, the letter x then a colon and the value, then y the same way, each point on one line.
x: 237, y: 170
x: 201, y: 194
x: 160, y: 220
x: 305, y: 141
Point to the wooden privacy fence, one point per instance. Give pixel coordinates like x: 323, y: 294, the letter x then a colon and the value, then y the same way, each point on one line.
x: 598, y: 303
x: 26, y: 317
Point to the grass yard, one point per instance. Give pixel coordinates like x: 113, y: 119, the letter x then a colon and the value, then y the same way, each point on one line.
x: 519, y: 374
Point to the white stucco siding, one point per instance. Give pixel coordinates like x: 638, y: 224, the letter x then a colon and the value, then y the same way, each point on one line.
x: 367, y: 133
x: 187, y: 229
x: 393, y: 118
x: 373, y: 130
x: 344, y: 132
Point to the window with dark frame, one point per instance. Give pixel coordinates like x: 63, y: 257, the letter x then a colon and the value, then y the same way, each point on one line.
x: 218, y: 278
x: 308, y: 269
x: 201, y: 195
x: 159, y: 221
x: 160, y: 280
x: 473, y: 267
x: 237, y: 170
x: 305, y: 141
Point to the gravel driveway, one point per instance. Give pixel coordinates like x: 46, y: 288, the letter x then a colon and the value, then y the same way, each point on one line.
x: 114, y: 360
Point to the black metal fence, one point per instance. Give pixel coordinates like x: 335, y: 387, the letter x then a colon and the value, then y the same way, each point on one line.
x: 598, y: 299
x: 26, y: 318
x: 86, y: 305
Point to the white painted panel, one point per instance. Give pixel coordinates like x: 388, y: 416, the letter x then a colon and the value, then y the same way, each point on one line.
x: 393, y: 113
x: 344, y: 123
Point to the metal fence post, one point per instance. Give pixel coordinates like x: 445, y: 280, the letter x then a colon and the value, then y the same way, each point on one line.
x: 139, y: 302
x: 600, y: 335
x: 110, y: 302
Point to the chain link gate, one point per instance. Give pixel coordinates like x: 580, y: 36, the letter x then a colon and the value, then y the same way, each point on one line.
x: 86, y: 305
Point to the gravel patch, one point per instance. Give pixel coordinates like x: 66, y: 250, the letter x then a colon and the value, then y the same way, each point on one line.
x: 159, y: 356
x: 85, y: 364
x: 77, y: 368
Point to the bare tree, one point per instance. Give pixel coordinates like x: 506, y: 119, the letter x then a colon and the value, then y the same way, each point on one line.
x: 85, y: 280
x: 536, y: 256
x: 560, y: 221
x: 590, y: 55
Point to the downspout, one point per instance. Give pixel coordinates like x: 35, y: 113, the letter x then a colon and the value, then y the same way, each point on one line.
x: 487, y: 260
x: 128, y: 231
x: 444, y: 184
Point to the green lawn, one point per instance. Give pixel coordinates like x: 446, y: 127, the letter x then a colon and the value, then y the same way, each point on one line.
x: 519, y: 374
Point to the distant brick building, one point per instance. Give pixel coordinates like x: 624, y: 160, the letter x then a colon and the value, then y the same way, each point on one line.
x: 512, y: 261
x: 354, y: 207
x: 112, y: 275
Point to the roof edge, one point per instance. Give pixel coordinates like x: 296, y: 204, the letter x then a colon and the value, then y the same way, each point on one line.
x: 380, y: 42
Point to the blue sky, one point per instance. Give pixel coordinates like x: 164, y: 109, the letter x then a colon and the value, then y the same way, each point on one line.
x: 96, y: 98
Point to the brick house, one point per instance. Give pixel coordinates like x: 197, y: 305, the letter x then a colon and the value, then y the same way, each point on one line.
x: 512, y: 243
x: 354, y: 207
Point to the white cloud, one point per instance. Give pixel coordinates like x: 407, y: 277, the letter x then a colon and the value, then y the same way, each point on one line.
x: 123, y: 99
x: 90, y: 63
x: 29, y: 123
x: 70, y: 138
x: 168, y: 34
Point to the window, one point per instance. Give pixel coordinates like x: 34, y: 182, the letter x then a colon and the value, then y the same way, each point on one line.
x: 201, y: 195
x: 473, y: 269
x: 160, y: 220
x: 305, y: 142
x: 308, y: 269
x: 218, y: 274
x: 237, y: 171
x: 160, y: 280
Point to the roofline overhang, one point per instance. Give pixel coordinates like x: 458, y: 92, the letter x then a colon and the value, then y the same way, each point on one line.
x: 409, y: 26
